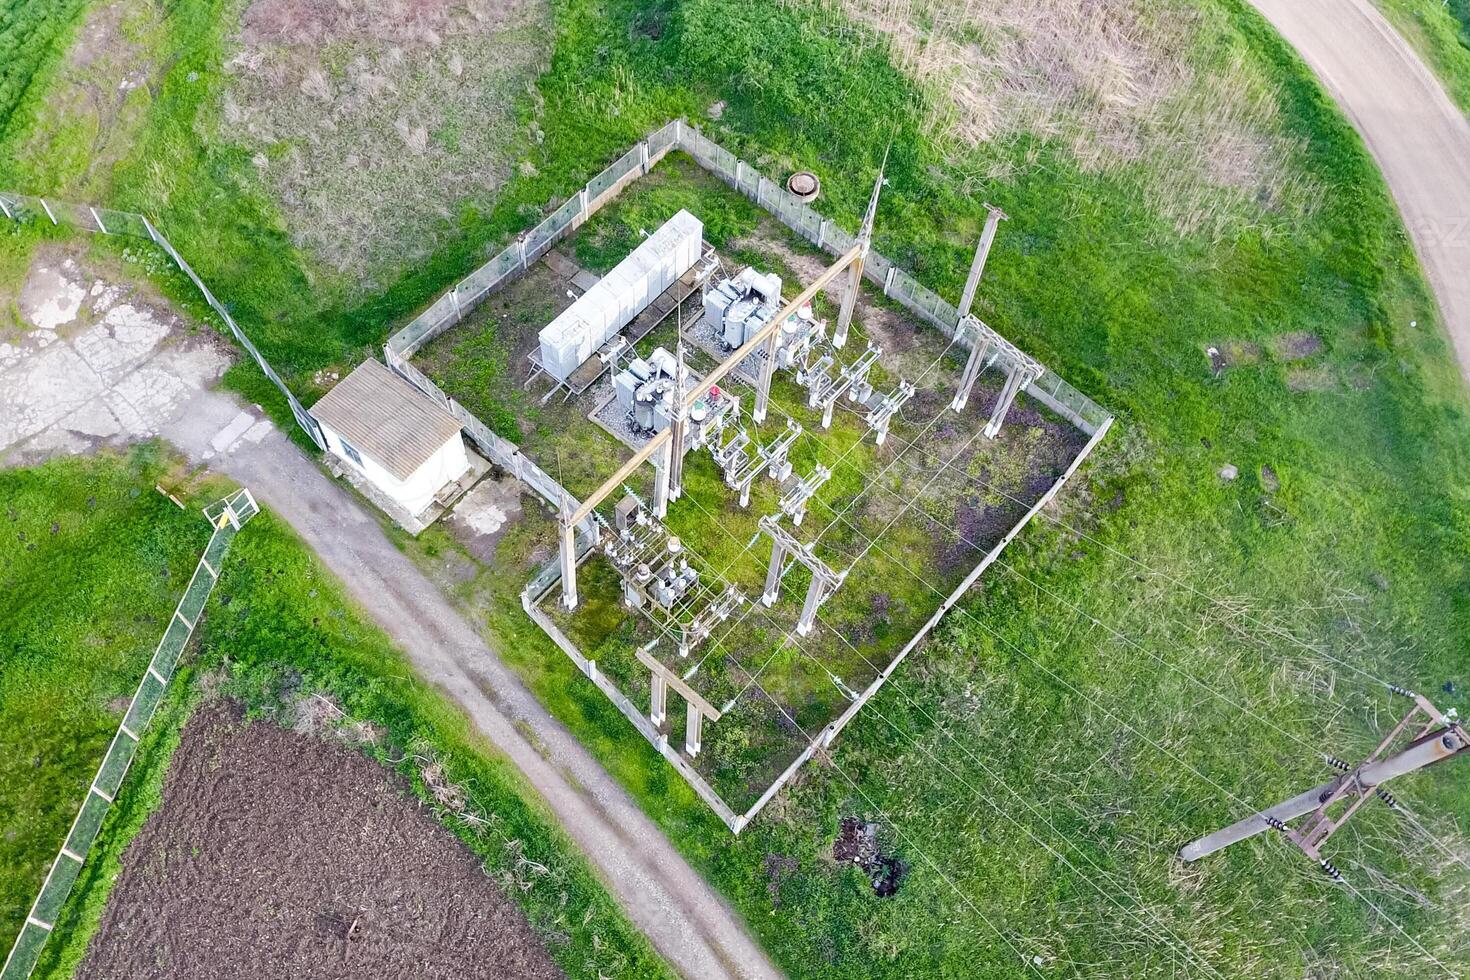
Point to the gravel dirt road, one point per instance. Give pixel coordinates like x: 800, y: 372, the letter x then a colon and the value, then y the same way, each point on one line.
x: 689, y: 923
x: 1420, y: 139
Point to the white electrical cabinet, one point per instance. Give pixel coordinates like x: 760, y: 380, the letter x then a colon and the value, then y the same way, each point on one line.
x: 621, y: 295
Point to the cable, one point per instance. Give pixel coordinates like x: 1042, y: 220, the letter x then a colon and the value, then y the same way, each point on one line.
x: 898, y: 827
x: 801, y: 649
x: 1177, y: 758
x: 1274, y: 628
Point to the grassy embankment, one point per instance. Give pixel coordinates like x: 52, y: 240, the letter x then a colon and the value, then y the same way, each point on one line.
x: 1440, y: 30
x: 99, y: 562
x: 1343, y: 527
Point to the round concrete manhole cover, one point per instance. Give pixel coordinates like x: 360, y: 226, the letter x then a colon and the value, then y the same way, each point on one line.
x: 804, y: 184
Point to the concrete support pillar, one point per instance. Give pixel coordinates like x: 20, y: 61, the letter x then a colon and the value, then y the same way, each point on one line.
x: 661, y: 469
x: 815, y: 594
x: 1015, y: 382
x: 993, y: 217
x: 692, y: 731
x: 568, y: 554
x: 658, y: 699
x: 763, y: 389
x: 678, y: 429
x: 973, y: 367
x: 773, y: 575
x: 678, y: 437
x: 849, y: 301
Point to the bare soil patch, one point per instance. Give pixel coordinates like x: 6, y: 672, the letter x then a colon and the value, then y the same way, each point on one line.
x: 1310, y: 379
x: 279, y: 854
x: 374, y: 124
x: 857, y: 842
x: 1232, y: 353
x: 100, y: 100
x: 1295, y: 346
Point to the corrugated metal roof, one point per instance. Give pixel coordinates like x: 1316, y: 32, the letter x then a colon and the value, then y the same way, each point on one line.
x: 386, y: 418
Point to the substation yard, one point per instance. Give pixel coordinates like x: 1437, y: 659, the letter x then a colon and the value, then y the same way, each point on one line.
x: 911, y: 518
x: 322, y: 868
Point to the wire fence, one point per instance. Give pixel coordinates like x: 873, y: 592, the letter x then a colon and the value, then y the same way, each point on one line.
x: 22, y: 207
x: 227, y: 516
x: 522, y: 253
x: 896, y: 283
x: 823, y: 233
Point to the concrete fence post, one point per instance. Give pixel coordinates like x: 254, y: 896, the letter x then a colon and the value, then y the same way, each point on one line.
x: 47, y: 208
x: 888, y: 279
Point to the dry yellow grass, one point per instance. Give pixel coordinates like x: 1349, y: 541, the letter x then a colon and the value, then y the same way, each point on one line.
x: 1131, y: 87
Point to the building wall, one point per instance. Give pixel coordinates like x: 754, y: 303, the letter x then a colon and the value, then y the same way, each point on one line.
x: 415, y: 494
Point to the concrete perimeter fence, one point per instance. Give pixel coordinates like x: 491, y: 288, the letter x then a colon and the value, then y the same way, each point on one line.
x: 22, y: 207
x: 897, y: 284
x: 517, y: 257
x: 227, y: 516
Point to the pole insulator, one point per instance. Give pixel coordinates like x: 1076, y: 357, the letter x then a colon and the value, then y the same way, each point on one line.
x: 1274, y: 823
x: 1331, y: 870
x: 1402, y: 691
x: 1336, y: 763
x: 1387, y: 797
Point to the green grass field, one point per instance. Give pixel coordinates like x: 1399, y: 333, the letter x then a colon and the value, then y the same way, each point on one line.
x: 99, y: 562
x: 1440, y: 29
x: 1038, y: 765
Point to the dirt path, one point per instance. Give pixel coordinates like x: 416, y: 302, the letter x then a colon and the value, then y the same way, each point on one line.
x: 1419, y: 137
x: 689, y: 923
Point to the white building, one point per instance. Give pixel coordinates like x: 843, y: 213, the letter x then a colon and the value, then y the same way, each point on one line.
x: 398, y: 438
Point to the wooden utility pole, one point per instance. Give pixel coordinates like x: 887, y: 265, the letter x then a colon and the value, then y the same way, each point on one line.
x: 1439, y: 737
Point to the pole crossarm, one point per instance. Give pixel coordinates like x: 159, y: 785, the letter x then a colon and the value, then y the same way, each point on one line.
x: 1438, y: 737
x: 689, y: 694
x: 1000, y: 348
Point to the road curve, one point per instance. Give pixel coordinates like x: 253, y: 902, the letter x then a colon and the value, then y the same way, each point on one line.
x: 1420, y: 138
x: 688, y: 922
